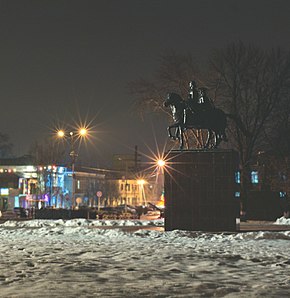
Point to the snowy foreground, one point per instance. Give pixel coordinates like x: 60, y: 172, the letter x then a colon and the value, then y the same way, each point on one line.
x: 77, y: 258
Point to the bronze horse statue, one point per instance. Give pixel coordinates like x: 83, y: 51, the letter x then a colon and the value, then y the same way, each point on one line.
x: 213, y: 120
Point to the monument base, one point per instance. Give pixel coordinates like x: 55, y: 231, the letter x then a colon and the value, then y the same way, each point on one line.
x: 200, y: 190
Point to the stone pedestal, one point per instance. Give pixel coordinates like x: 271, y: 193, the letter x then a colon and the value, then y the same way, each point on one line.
x: 200, y: 190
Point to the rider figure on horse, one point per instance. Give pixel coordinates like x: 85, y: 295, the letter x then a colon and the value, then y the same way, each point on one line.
x: 186, y: 117
x: 198, y: 101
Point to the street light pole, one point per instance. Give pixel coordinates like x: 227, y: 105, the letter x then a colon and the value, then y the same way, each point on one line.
x: 141, y: 183
x: 81, y: 133
x: 161, y: 165
x: 73, y: 156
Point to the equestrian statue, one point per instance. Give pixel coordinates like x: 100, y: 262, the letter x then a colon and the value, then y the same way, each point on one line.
x: 197, y: 112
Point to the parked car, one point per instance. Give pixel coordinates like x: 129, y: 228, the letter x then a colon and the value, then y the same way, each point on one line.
x: 151, y: 214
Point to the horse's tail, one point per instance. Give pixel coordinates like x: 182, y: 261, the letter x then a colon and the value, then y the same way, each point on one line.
x: 223, y: 124
x: 224, y: 136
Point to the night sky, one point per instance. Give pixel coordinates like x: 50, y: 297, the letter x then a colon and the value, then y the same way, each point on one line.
x: 70, y: 61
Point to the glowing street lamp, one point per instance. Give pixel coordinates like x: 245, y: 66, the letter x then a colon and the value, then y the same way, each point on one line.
x: 161, y: 163
x: 83, y: 132
x: 61, y: 134
x: 141, y: 181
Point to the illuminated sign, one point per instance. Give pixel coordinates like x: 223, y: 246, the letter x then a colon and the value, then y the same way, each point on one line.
x: 4, y: 191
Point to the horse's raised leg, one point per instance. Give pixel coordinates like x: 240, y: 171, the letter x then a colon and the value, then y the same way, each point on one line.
x: 181, y: 138
x: 170, y: 133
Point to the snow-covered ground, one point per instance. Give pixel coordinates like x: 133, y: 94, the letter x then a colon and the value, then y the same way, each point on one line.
x: 77, y: 258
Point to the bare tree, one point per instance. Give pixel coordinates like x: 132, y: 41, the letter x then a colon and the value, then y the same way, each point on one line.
x: 250, y: 84
x: 48, y: 152
x: 111, y: 192
x: 276, y: 160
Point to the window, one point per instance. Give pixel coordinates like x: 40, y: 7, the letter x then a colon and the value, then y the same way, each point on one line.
x: 238, y: 177
x: 78, y: 184
x: 16, y: 202
x: 254, y: 177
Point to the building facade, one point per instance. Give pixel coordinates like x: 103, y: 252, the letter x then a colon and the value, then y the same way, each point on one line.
x: 29, y: 186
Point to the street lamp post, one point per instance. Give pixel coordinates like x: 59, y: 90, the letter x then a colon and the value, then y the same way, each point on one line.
x: 142, y: 194
x: 161, y: 165
x: 126, y: 194
x: 73, y: 137
x: 73, y: 156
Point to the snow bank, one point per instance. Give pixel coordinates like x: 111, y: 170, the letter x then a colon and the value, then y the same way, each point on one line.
x: 80, y: 222
x: 282, y: 221
x: 81, y: 226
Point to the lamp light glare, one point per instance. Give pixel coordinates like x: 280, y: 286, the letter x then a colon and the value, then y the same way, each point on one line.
x: 60, y: 133
x: 141, y: 181
x: 83, y: 132
x: 161, y: 163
